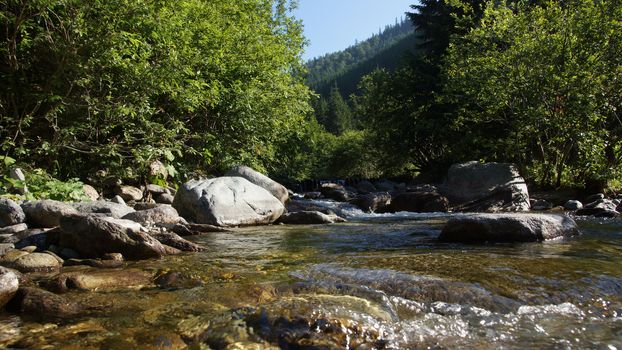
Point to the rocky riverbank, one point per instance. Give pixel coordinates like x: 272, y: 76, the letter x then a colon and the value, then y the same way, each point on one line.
x: 42, y: 242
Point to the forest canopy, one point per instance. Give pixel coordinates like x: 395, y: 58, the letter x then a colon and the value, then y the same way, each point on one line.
x: 202, y: 85
x: 116, y: 84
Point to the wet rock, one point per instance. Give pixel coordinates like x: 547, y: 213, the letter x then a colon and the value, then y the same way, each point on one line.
x: 419, y: 202
x: 541, y: 205
x: 227, y: 201
x: 36, y: 262
x: 164, y: 214
x: 90, y: 192
x: 309, y: 218
x: 171, y: 239
x: 371, y: 202
x: 39, y: 303
x: 10, y: 213
x: 507, y: 228
x: 28, y: 249
x: 312, y: 195
x: 129, y: 193
x: 573, y: 205
x: 111, y: 209
x: 177, y: 280
x: 490, y: 187
x: 13, y: 229
x: 365, y: 186
x: 100, y: 280
x: 46, y: 213
x: 605, y: 204
x: 187, y: 229
x: 595, y: 198
x: 335, y: 192
x: 97, y: 263
x: 279, y: 191
x: 164, y: 198
x: 601, y: 208
x: 92, y: 237
x: 9, y: 283
x: 171, y: 250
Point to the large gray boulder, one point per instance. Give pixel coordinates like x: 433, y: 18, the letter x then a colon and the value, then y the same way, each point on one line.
x: 490, y: 187
x: 111, y: 209
x: 475, y: 228
x: 227, y: 201
x: 279, y: 191
x: 93, y: 237
x: 46, y: 213
x: 10, y: 213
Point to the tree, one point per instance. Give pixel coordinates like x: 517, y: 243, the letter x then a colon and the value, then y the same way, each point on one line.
x: 198, y: 84
x: 539, y: 86
x: 339, y: 118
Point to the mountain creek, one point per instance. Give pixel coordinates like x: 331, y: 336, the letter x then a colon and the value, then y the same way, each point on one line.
x: 379, y: 281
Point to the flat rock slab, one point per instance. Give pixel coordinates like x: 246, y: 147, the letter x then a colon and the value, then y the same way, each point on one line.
x: 100, y: 280
x: 161, y: 214
x: 309, y: 218
x: 114, y: 210
x: 478, y: 228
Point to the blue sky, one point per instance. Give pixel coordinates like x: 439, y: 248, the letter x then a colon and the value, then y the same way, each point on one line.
x: 333, y: 25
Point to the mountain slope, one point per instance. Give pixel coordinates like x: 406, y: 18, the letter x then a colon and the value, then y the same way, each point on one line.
x: 346, y: 68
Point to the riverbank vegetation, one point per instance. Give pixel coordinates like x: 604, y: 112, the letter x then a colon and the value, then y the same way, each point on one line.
x: 111, y: 86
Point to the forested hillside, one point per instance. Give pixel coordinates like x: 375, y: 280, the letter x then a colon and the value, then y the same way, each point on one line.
x: 346, y: 68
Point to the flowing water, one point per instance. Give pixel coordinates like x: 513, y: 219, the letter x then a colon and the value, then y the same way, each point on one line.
x: 376, y: 282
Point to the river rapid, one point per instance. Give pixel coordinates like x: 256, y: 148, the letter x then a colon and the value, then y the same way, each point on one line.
x: 376, y: 282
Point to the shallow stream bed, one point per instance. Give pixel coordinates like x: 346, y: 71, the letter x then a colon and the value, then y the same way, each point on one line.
x: 377, y: 282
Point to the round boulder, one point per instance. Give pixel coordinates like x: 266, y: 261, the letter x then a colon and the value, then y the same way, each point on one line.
x: 279, y: 191
x: 227, y: 201
x: 476, y: 228
x: 36, y: 262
